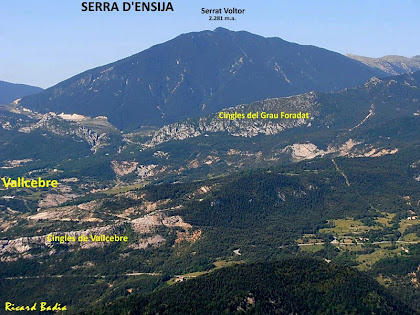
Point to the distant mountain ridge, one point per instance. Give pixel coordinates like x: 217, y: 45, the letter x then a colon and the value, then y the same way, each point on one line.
x: 380, y: 117
x: 391, y: 64
x: 199, y: 73
x: 12, y: 91
x: 377, y: 101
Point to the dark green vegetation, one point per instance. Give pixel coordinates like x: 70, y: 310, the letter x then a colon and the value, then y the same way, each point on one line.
x: 382, y: 114
x: 12, y: 91
x: 292, y: 286
x: 400, y: 274
x: 221, y: 196
x: 199, y: 73
x: 261, y: 213
x: 67, y: 290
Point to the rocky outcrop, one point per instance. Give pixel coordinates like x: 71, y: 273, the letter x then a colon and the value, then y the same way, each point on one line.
x: 124, y: 167
x: 351, y: 148
x: 62, y: 125
x: 141, y: 225
x: 246, y: 127
x: 52, y: 200
x: 143, y: 243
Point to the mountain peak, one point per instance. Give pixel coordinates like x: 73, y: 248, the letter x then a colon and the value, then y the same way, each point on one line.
x: 194, y: 74
x: 222, y: 29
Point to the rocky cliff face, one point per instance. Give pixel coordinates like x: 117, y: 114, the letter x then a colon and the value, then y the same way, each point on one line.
x: 378, y: 101
x: 94, y: 131
x: 13, y: 249
x: 243, y: 127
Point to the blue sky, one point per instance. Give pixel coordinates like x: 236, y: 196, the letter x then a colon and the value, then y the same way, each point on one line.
x: 43, y: 42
